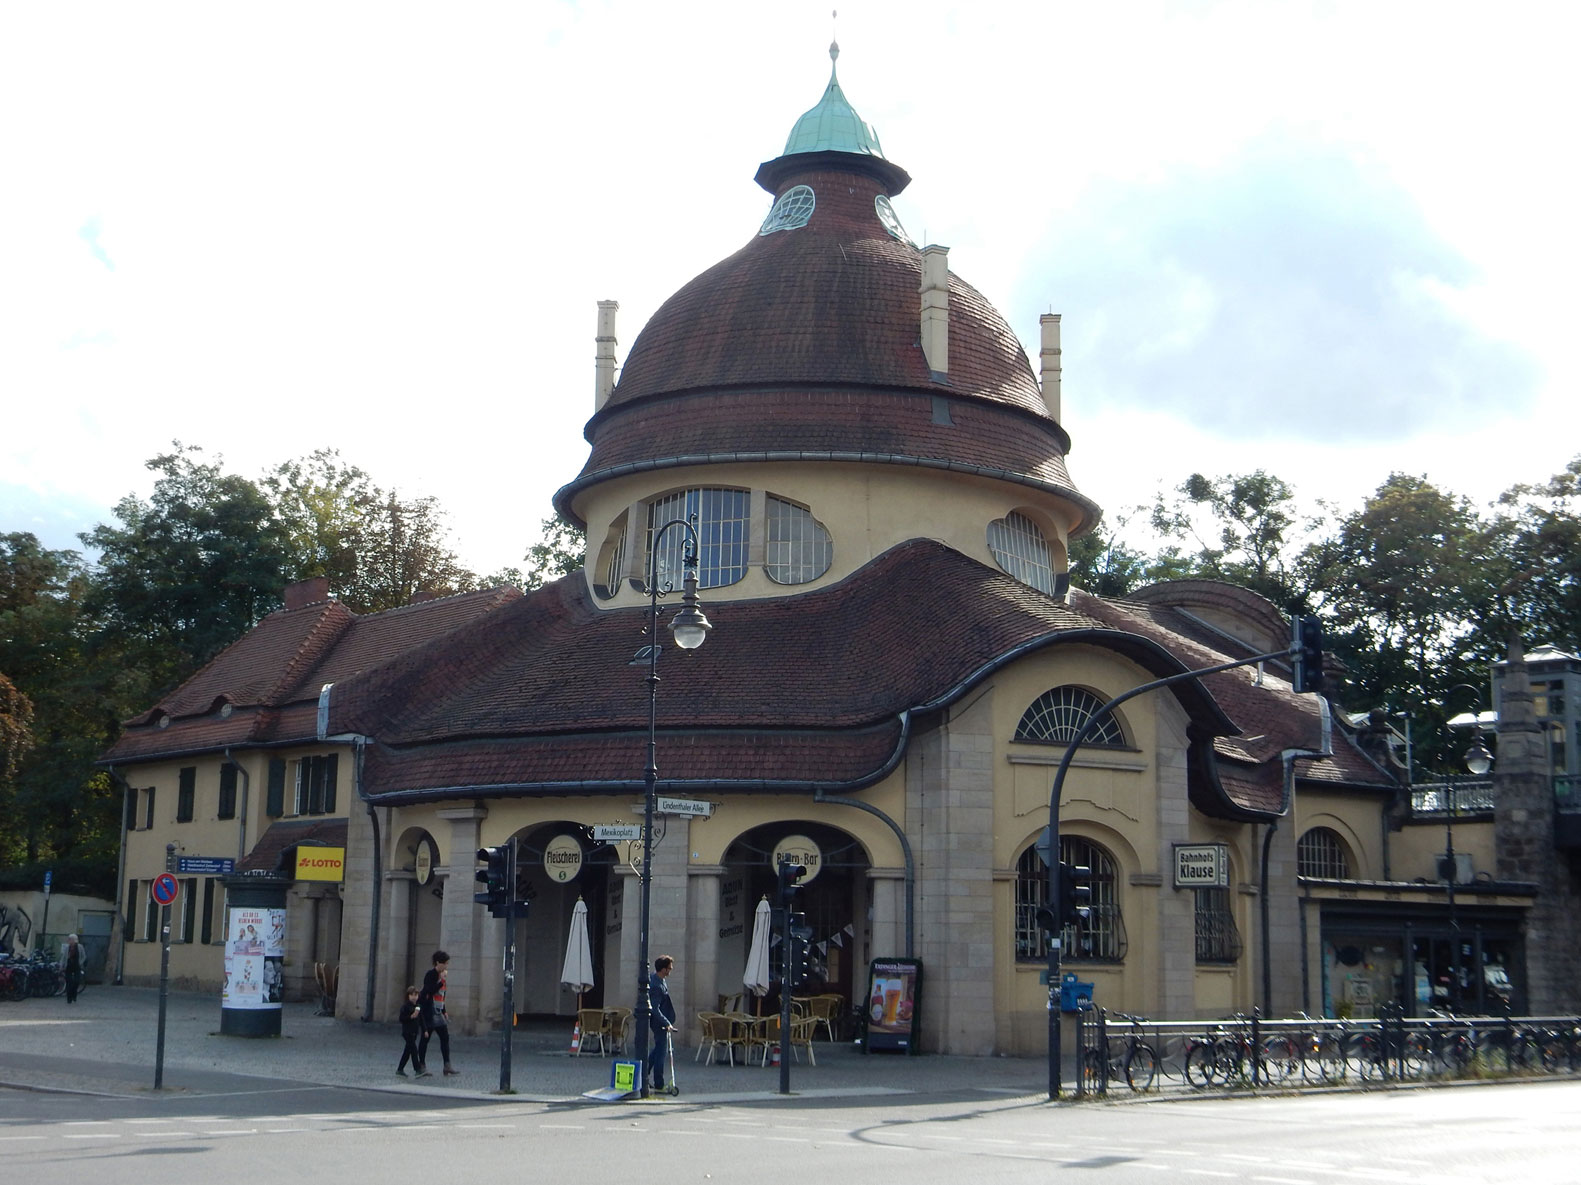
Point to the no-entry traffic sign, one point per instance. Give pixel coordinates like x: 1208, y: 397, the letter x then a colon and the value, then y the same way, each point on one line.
x: 164, y: 889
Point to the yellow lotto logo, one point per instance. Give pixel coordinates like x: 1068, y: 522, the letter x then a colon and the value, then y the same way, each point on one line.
x: 320, y: 864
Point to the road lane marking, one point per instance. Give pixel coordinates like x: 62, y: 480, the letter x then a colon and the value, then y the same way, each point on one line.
x: 93, y: 1136
x: 566, y: 1127
x: 13, y: 1139
x: 504, y: 1125
x: 1284, y: 1180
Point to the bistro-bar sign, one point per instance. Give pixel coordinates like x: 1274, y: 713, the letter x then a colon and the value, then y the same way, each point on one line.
x: 1201, y: 866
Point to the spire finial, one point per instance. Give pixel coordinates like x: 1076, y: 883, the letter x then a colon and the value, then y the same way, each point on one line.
x: 834, y: 39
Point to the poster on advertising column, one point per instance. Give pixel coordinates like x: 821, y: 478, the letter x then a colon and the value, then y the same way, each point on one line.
x: 254, y: 952
x: 893, y: 1004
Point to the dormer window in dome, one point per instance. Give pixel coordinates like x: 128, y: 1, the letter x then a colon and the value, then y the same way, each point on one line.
x: 886, y: 214
x: 611, y: 569
x: 799, y: 548
x: 790, y: 211
x: 1020, y: 548
x: 723, y: 532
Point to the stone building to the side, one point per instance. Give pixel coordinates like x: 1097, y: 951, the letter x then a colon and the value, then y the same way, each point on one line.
x: 897, y: 661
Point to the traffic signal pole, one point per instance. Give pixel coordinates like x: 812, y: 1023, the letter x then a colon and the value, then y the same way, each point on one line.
x: 1301, y: 646
x: 788, y: 875
x: 508, y: 1011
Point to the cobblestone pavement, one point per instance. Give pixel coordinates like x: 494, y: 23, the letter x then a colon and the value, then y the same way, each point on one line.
x: 106, y: 1043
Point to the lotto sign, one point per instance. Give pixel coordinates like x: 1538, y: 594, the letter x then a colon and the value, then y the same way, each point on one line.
x: 320, y: 864
x: 164, y: 889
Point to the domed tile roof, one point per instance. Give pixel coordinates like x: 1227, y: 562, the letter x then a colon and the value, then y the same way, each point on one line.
x: 820, y: 307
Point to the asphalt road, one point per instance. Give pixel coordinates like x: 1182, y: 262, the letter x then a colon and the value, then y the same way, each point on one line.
x: 1452, y: 1136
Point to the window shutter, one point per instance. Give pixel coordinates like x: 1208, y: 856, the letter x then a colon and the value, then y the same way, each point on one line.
x: 275, y: 806
x: 227, y: 791
x: 208, y: 909
x: 331, y: 765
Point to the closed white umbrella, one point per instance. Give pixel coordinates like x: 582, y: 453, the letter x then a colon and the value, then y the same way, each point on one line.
x: 756, y: 976
x: 577, y: 973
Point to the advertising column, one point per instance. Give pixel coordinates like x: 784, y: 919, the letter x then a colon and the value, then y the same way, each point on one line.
x: 254, y: 951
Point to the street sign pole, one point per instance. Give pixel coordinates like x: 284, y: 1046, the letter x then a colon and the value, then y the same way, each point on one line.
x: 161, y: 889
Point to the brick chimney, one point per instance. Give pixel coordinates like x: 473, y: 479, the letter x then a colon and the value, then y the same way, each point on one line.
x: 307, y: 592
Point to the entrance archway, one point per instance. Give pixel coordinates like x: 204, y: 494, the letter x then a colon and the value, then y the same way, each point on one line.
x: 552, y: 881
x: 836, y: 904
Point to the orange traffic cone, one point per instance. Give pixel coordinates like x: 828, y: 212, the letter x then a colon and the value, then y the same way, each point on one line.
x: 576, y: 1038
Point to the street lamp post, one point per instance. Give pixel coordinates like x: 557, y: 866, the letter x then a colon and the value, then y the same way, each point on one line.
x: 1478, y: 761
x: 690, y: 629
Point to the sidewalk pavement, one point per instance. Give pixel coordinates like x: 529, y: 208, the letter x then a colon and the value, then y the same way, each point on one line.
x: 106, y: 1042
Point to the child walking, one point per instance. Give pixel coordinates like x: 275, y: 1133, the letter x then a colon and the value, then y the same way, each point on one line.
x: 411, y: 1027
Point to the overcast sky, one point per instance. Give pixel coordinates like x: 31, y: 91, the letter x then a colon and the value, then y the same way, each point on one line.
x: 1330, y: 240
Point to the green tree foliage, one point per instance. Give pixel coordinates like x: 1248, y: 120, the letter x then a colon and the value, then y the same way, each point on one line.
x: 1101, y: 562
x: 324, y: 507
x: 56, y: 808
x: 1243, y: 528
x: 16, y: 729
x: 376, y: 547
x: 560, y: 550
x: 187, y: 572
x: 1403, y: 581
x: 1535, y: 539
x: 401, y: 551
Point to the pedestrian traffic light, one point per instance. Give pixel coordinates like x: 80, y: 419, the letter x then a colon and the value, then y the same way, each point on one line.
x: 1075, y: 893
x: 790, y: 876
x: 496, y: 876
x: 800, y: 950
x: 1306, y: 646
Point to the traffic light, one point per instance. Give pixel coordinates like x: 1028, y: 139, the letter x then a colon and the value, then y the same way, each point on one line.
x: 790, y: 876
x: 496, y: 875
x: 1306, y: 643
x: 801, y: 949
x: 1075, y: 894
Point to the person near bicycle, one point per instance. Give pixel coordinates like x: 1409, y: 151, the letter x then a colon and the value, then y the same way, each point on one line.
x: 73, y: 965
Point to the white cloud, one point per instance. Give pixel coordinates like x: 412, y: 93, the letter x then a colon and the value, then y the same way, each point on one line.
x: 384, y: 228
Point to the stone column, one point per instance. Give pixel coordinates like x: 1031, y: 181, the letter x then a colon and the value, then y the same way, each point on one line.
x: 394, y: 928
x: 1525, y: 845
x: 950, y: 818
x: 1177, y: 908
x: 460, y: 920
x: 357, y: 920
x: 700, y: 986
x: 887, y: 888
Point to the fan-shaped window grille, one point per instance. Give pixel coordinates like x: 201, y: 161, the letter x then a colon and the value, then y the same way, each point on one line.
x: 1021, y: 550
x: 799, y: 548
x: 1057, y: 715
x: 1218, y: 938
x: 1102, y: 936
x: 1321, y: 853
x: 793, y: 209
x: 722, y: 532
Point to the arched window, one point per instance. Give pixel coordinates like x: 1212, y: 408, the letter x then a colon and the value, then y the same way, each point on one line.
x: 799, y: 549
x: 722, y: 531
x: 1218, y: 937
x: 1021, y: 550
x: 613, y: 565
x: 1321, y: 853
x: 1101, y: 937
x: 1057, y: 715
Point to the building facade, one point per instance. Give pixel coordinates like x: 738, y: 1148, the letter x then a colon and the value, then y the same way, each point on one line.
x: 876, y: 478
